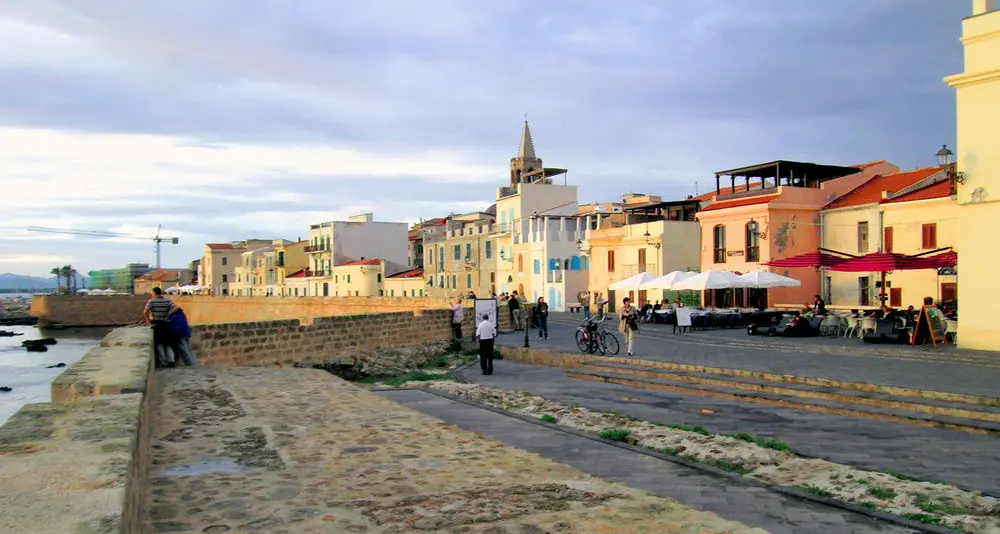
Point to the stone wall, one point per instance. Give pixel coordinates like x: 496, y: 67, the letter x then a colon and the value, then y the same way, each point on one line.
x: 123, y: 310
x: 79, y: 463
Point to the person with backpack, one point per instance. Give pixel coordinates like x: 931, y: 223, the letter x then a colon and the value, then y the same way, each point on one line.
x: 181, y: 344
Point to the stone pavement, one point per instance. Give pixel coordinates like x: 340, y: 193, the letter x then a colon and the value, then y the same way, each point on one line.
x: 967, y: 460
x: 944, y: 369
x: 299, y: 450
x: 749, y: 504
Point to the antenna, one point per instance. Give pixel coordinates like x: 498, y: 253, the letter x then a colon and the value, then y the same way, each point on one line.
x: 696, y: 188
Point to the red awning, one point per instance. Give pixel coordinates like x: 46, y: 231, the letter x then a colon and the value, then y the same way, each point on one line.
x: 812, y: 259
x: 891, y: 261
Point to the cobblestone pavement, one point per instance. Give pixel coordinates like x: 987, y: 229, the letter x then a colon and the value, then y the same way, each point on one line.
x: 749, y: 504
x: 943, y: 369
x: 967, y: 460
x: 298, y: 450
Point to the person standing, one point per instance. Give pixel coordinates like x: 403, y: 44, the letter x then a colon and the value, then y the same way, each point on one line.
x: 629, y: 326
x: 157, y: 314
x: 182, y: 338
x: 486, y: 333
x: 601, y: 302
x: 514, y: 306
x: 542, y: 318
x: 457, y: 315
x: 585, y: 303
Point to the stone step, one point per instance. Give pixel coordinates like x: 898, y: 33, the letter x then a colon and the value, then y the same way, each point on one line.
x: 790, y: 401
x: 876, y: 399
x: 897, y: 391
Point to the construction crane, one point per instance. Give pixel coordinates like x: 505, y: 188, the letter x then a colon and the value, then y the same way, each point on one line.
x: 157, y: 239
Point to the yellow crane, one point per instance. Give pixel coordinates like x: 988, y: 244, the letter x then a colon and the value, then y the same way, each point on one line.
x: 157, y: 239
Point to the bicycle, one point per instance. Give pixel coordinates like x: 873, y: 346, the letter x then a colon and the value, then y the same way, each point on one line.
x: 592, y: 337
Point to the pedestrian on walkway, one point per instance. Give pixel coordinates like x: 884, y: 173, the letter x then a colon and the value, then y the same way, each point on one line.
x: 515, y: 311
x: 457, y: 315
x: 585, y: 304
x: 629, y: 326
x: 542, y: 318
x: 486, y: 333
x: 157, y: 314
x: 601, y: 302
x: 182, y: 338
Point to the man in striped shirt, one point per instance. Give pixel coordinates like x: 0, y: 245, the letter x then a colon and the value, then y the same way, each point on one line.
x: 157, y: 313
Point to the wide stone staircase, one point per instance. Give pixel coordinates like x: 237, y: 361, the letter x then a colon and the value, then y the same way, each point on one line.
x: 928, y: 408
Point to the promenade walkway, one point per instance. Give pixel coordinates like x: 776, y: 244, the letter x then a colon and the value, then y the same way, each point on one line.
x: 300, y: 451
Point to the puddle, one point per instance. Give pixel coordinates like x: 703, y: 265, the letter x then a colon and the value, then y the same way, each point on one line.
x: 203, y: 468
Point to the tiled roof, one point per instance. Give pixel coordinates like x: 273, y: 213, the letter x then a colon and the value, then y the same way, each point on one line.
x: 864, y: 166
x: 763, y: 199
x: 938, y: 190
x: 160, y: 275
x: 221, y: 246
x: 297, y: 274
x: 870, y: 192
x: 724, y: 191
x: 412, y: 273
x: 361, y: 262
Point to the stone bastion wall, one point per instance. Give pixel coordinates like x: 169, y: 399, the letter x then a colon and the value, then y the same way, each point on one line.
x: 118, y: 310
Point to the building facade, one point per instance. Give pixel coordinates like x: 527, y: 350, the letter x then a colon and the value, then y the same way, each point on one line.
x: 340, y: 242
x: 219, y: 263
x: 161, y: 278
x: 121, y: 280
x: 405, y: 284
x: 464, y: 259
x: 977, y: 96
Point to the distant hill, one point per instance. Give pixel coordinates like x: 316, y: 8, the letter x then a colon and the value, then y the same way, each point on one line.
x: 10, y: 282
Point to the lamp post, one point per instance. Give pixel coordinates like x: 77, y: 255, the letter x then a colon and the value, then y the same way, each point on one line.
x: 946, y: 158
x: 527, y: 325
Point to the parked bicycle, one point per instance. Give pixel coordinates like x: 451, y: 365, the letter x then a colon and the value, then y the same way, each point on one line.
x: 592, y: 336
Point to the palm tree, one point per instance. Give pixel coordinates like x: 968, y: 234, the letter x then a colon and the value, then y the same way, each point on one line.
x: 64, y: 271
x: 73, y: 276
x: 58, y: 274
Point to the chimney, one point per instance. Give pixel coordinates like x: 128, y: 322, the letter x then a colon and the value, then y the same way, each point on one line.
x: 886, y: 195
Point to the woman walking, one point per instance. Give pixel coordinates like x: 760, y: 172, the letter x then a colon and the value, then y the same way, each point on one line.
x: 542, y: 318
x: 629, y: 326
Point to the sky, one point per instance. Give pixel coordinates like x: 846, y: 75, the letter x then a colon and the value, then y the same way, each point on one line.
x: 230, y: 119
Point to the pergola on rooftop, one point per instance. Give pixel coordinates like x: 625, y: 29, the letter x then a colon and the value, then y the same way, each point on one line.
x: 766, y: 177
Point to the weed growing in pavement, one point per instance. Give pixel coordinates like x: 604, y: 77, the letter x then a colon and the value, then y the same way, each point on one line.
x: 924, y: 503
x: 698, y: 429
x: 883, y: 493
x: 813, y: 490
x: 412, y: 376
x: 548, y: 418
x: 767, y: 443
x: 927, y: 519
x: 615, y: 434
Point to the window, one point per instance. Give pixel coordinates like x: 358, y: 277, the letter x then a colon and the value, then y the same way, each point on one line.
x: 225, y: 292
x: 642, y: 259
x: 225, y: 260
x: 392, y: 293
x: 493, y: 277
x: 225, y: 278
x: 379, y: 278
x: 430, y: 258
x: 326, y: 289
x: 489, y: 250
x: 421, y: 292
x: 928, y: 235
x: 468, y: 251
x: 863, y: 237
x: 719, y: 243
x: 864, y: 291
x: 887, y: 239
x: 348, y: 279
x: 454, y: 282
x: 441, y: 256
x: 520, y: 263
x: 441, y: 281
x: 895, y: 297
x: 468, y: 281
x: 611, y: 260
x: 753, y: 241
x: 458, y: 252
x: 949, y: 292
x: 574, y: 263
x: 538, y: 266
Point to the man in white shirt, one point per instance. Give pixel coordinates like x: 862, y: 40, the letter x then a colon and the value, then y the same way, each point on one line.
x: 456, y: 319
x: 486, y: 333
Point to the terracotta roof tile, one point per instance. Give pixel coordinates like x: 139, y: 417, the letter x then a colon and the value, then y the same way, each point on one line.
x: 160, y: 275
x: 297, y: 274
x: 938, y: 190
x: 412, y: 273
x: 221, y: 246
x: 717, y: 205
x: 361, y: 262
x: 870, y: 192
x: 864, y: 166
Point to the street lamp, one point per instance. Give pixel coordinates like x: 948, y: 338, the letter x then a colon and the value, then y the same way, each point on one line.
x: 946, y: 158
x: 648, y: 237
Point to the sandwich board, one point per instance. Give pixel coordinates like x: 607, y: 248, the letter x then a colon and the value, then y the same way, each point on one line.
x: 486, y: 307
x: 930, y: 325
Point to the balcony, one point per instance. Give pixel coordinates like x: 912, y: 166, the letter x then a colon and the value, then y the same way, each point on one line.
x: 316, y: 248
x: 310, y: 274
x: 507, y: 191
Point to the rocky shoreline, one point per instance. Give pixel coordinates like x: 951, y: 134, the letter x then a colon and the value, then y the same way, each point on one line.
x: 15, y: 312
x: 765, y: 459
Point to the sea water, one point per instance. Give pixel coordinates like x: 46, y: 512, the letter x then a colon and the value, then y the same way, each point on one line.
x: 27, y: 373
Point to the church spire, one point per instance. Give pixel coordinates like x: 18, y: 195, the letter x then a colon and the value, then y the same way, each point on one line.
x: 527, y: 149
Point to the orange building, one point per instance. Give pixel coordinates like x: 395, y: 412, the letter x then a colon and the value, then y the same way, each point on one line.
x: 773, y: 214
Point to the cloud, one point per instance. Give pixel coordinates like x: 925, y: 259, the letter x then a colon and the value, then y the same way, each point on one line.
x: 224, y: 119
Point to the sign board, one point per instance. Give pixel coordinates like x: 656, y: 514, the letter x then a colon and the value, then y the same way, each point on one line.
x: 930, y: 325
x: 486, y: 307
x: 734, y: 253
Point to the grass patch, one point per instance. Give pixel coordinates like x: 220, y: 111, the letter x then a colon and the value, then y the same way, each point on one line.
x: 454, y: 346
x: 868, y: 504
x: 767, y: 443
x: 813, y: 490
x: 470, y: 352
x: 834, y: 476
x: 926, y: 519
x: 924, y: 503
x: 548, y: 418
x: 412, y: 376
x: 726, y: 466
x: 697, y: 429
x: 882, y: 493
x: 441, y: 361
x: 615, y: 434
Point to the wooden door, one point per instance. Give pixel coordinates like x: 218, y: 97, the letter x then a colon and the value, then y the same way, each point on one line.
x: 895, y: 297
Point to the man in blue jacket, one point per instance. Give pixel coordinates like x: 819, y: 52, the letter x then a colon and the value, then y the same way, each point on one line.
x: 182, y: 338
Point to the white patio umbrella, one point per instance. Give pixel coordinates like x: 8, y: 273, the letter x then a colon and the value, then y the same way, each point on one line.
x: 668, y: 280
x: 633, y: 282
x: 764, y: 279
x: 709, y: 280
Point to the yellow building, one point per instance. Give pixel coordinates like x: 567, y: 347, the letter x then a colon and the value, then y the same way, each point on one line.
x: 977, y: 95
x: 289, y: 258
x: 463, y: 258
x: 359, y: 278
x: 405, y: 284
x: 853, y: 224
x: 219, y: 264
x: 161, y: 278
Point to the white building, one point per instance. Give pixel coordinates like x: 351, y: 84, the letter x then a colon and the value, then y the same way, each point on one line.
x: 338, y: 242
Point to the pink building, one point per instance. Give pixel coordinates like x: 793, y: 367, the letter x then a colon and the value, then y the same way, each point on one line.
x: 773, y: 213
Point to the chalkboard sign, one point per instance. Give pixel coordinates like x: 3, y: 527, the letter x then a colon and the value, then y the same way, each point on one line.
x: 930, y: 325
